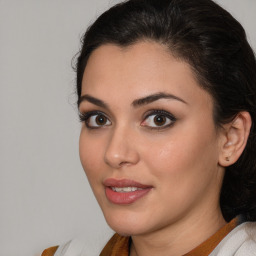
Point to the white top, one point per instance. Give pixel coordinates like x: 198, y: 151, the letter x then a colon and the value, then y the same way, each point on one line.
x: 241, y: 241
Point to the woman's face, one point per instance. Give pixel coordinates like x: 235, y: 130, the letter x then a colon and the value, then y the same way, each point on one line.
x: 148, y: 143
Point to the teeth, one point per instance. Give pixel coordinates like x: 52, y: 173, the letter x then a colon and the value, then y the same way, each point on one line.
x: 125, y: 189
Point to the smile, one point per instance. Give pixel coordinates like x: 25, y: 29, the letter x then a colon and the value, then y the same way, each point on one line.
x: 123, y: 192
x: 125, y: 189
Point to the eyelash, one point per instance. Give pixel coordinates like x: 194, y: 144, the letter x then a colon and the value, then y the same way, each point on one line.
x: 85, y: 117
x: 162, y: 113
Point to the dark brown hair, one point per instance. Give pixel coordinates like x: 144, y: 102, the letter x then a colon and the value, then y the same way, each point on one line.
x: 214, y: 43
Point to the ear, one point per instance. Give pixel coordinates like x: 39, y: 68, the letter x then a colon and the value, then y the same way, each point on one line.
x: 234, y: 137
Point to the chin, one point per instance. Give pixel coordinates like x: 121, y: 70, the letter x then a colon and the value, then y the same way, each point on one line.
x: 126, y: 224
x: 127, y: 230
x: 132, y: 222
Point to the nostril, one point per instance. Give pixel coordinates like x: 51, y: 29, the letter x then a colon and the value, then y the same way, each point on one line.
x: 124, y: 163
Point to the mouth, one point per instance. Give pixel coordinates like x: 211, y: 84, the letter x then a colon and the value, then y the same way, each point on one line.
x: 125, y: 191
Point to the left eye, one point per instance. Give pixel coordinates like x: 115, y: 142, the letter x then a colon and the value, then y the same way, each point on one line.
x: 94, y: 119
x: 98, y: 121
x: 158, y: 120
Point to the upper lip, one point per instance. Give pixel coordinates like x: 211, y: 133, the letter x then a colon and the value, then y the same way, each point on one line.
x: 121, y: 183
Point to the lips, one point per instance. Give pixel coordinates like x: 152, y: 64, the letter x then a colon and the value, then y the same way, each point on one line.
x: 125, y: 191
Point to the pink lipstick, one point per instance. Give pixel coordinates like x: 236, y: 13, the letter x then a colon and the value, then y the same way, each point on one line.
x: 124, y: 191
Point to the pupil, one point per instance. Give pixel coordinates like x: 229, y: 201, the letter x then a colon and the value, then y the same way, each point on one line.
x: 100, y: 120
x: 159, y: 120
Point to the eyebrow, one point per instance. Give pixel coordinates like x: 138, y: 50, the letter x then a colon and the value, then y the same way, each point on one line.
x: 92, y: 100
x: 136, y: 103
x: 154, y: 97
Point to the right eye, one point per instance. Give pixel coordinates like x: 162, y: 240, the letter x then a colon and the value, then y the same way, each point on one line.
x: 95, y: 120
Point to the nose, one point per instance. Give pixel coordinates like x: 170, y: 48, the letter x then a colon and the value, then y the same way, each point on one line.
x: 121, y: 149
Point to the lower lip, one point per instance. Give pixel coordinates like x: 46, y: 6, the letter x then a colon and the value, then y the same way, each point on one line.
x: 125, y: 197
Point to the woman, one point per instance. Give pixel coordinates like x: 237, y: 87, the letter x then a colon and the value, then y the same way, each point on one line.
x: 167, y: 99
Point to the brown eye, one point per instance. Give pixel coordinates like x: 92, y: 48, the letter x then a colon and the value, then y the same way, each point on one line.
x: 101, y: 120
x: 97, y: 121
x: 159, y: 120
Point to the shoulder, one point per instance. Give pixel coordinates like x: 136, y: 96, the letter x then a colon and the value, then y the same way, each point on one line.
x: 240, y: 241
x: 50, y: 251
x: 77, y: 246
x: 57, y: 250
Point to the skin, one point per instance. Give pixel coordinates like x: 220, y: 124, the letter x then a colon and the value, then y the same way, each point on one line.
x: 179, y: 161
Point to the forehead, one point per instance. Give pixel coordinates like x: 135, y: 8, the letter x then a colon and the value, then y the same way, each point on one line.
x: 137, y: 70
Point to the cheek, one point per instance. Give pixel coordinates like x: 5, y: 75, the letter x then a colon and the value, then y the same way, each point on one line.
x: 183, y: 172
x: 91, y: 154
x: 92, y: 159
x: 184, y: 159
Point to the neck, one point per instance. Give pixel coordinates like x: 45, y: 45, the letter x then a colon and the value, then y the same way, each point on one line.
x: 180, y: 237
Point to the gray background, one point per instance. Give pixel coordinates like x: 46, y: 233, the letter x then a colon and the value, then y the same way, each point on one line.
x: 45, y: 198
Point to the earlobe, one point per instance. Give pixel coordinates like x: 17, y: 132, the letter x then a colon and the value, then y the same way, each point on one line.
x: 234, y: 138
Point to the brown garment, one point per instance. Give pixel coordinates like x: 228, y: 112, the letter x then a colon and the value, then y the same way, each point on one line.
x: 116, y: 246
x: 119, y: 246
x: 209, y: 245
x: 50, y: 251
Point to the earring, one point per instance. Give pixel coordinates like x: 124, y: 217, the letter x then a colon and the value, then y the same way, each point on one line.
x: 227, y: 158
